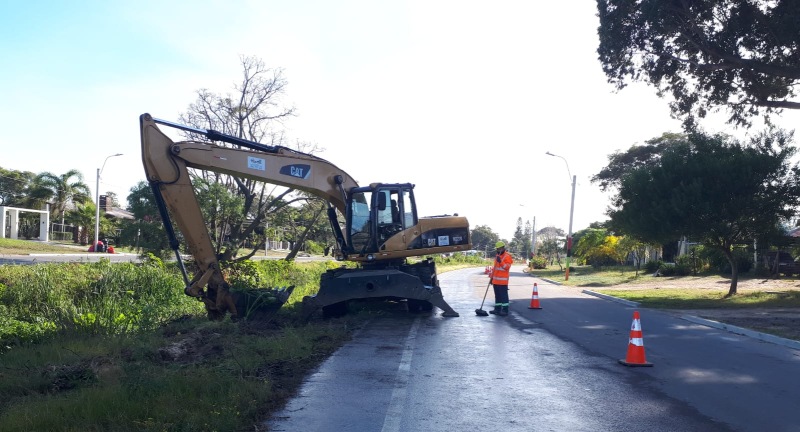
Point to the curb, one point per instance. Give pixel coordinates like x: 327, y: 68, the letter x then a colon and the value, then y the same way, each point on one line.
x: 612, y: 298
x: 766, y: 337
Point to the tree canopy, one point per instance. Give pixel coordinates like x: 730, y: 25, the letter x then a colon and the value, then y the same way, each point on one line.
x: 740, y: 54
x: 254, y: 111
x: 483, y: 238
x: 62, y: 189
x: 710, y: 188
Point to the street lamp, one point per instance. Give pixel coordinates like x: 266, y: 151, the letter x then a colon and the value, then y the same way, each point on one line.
x: 97, y: 202
x: 571, y: 209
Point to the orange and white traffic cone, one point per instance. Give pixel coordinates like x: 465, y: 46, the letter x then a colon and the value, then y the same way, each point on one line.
x: 535, y: 298
x: 635, y: 356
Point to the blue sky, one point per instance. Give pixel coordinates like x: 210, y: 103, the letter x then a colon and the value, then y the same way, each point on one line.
x: 461, y: 98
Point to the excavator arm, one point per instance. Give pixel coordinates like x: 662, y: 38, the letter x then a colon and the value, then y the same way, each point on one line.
x: 166, y: 166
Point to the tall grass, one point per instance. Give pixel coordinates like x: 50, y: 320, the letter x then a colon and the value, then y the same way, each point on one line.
x: 118, y: 347
x: 96, y: 298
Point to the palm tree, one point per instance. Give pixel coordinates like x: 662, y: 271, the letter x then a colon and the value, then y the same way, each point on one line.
x: 64, y: 189
x: 83, y: 216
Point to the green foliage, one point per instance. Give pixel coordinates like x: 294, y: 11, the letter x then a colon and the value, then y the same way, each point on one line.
x: 704, y: 53
x: 719, y: 263
x: 150, y: 260
x: 707, y: 187
x: 146, y: 232
x: 221, y: 209
x: 83, y: 215
x: 653, y: 265
x: 227, y: 377
x: 98, y: 298
x: 458, y: 258
x: 314, y: 248
x: 538, y: 262
x: 667, y: 298
x: 62, y: 189
x: 679, y: 268
x: 483, y: 238
x: 14, y: 187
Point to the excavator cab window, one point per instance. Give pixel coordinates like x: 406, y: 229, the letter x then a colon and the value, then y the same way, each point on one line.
x: 359, y: 230
x: 377, y: 213
x: 389, y: 220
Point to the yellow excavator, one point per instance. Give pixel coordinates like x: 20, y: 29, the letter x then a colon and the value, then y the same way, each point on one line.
x: 376, y: 226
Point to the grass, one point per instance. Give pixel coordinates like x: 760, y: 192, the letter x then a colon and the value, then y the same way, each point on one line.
x: 696, y: 299
x: 116, y: 347
x: 190, y: 375
x: 588, y: 276
x: 26, y: 247
x: 668, y: 298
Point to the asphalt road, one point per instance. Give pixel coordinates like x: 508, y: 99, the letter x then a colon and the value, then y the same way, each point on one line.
x: 553, y: 369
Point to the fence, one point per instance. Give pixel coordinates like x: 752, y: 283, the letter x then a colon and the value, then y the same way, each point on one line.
x: 61, y: 232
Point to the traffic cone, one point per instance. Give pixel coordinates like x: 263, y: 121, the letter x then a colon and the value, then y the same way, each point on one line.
x: 635, y: 356
x: 535, y: 298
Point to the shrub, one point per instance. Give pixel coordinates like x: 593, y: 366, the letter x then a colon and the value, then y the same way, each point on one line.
x: 653, y: 265
x: 667, y: 269
x: 717, y: 261
x: 538, y: 262
x: 313, y: 247
x: 683, y: 265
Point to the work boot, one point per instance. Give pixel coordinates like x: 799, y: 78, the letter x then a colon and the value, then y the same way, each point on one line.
x: 503, y: 311
x: 496, y: 310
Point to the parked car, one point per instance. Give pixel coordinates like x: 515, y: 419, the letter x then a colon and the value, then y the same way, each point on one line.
x: 786, y: 263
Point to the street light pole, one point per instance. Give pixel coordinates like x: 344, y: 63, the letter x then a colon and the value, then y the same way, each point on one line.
x: 97, y: 202
x: 569, y: 234
x: 571, y: 210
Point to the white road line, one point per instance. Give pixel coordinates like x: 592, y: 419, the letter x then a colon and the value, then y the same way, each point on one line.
x: 394, y: 413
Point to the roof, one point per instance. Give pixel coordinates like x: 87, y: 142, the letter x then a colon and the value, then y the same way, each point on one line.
x: 119, y: 213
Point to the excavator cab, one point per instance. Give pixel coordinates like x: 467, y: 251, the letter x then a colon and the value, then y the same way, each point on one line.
x: 376, y: 213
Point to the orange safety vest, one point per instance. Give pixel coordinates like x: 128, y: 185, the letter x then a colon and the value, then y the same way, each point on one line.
x: 500, y: 272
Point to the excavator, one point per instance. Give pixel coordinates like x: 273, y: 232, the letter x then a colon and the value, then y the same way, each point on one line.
x: 377, y: 227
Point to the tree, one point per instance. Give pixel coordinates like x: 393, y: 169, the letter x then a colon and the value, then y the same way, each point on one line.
x: 744, y: 55
x: 483, y: 238
x: 712, y: 188
x: 146, y: 231
x: 253, y: 112
x: 636, y: 249
x: 221, y: 210
x: 63, y: 189
x: 552, y: 243
x: 83, y: 216
x: 521, y: 242
x: 590, y: 241
x: 13, y: 186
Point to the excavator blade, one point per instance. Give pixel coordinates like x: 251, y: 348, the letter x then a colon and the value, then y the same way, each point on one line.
x: 339, y: 286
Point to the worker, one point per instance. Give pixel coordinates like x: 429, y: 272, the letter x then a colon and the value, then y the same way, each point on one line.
x: 500, y: 276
